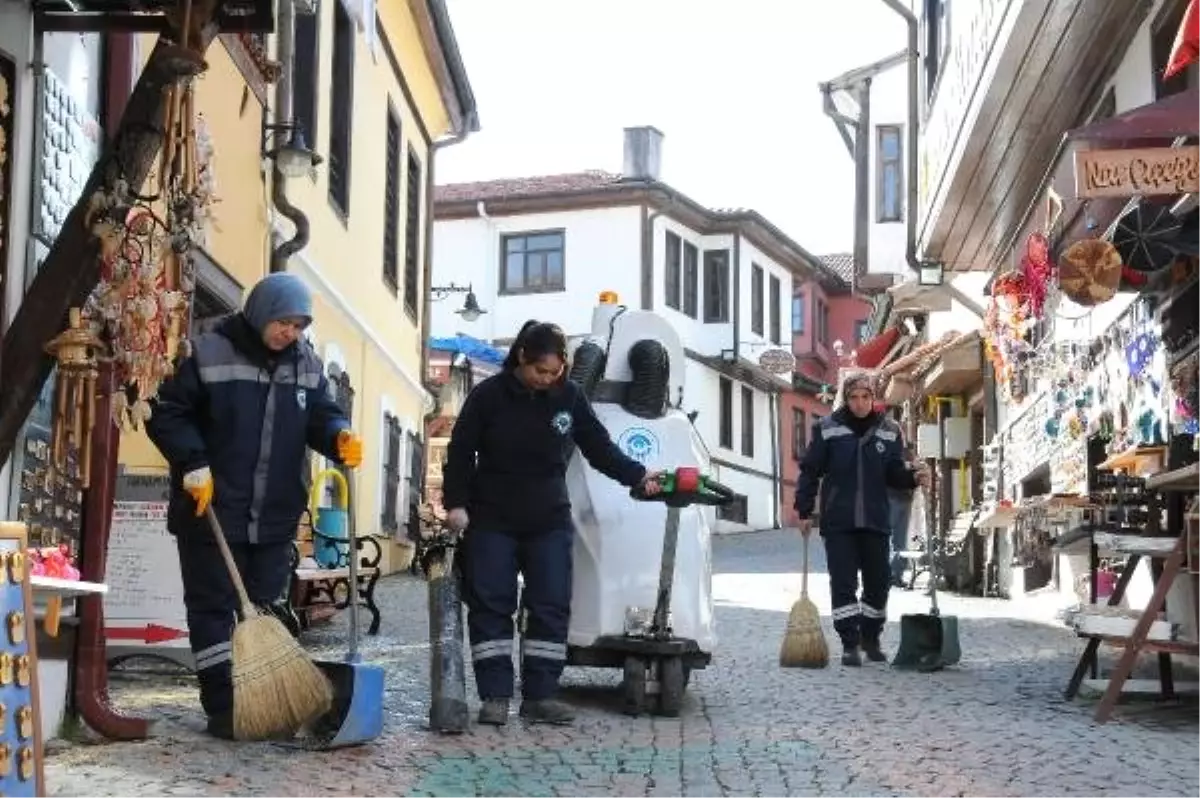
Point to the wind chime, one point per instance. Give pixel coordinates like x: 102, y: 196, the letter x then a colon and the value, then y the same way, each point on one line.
x: 76, y: 349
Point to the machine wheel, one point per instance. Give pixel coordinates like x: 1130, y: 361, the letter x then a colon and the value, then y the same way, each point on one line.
x: 671, y: 684
x: 635, y: 686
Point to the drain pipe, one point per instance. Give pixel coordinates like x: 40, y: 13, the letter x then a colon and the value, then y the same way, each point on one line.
x: 776, y: 467
x: 914, y: 124
x: 285, y: 53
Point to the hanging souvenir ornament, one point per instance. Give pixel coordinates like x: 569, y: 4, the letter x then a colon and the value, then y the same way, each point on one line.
x: 147, y: 274
x: 826, y: 395
x: 76, y: 350
x: 1139, y: 352
x: 1090, y: 272
x: 1037, y: 271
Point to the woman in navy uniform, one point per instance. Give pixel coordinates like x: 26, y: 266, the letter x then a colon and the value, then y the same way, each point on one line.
x: 234, y: 423
x: 855, y: 453
x: 505, y: 477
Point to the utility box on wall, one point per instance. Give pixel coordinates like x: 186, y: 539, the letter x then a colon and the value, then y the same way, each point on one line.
x: 958, y: 439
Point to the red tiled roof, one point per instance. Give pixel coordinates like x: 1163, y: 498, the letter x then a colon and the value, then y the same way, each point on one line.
x: 841, y: 264
x: 525, y: 186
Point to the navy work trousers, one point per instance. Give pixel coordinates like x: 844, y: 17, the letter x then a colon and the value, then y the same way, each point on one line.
x: 847, y: 554
x: 212, y: 604
x: 492, y: 562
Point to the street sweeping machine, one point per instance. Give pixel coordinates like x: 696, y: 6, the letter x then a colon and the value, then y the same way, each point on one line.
x: 642, y: 592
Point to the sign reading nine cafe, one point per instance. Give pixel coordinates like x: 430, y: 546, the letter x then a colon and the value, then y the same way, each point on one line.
x: 1128, y: 173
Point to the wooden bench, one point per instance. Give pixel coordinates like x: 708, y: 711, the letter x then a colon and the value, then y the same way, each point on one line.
x: 322, y: 591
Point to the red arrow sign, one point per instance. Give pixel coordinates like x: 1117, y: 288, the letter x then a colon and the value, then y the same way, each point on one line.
x: 150, y: 633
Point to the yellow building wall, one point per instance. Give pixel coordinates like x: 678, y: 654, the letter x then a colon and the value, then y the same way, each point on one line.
x: 349, y: 251
x: 238, y: 231
x: 401, y: 27
x: 343, y: 261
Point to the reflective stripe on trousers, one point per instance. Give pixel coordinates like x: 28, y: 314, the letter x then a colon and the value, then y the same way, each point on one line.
x: 544, y: 649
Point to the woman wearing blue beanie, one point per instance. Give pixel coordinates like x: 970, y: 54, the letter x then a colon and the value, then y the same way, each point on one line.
x: 234, y: 423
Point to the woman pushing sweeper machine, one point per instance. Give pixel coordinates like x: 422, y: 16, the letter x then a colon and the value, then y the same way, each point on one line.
x: 505, y: 478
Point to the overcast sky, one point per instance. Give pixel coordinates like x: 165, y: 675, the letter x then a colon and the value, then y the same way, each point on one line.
x: 734, y: 92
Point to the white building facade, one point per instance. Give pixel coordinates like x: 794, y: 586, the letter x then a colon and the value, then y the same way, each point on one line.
x: 546, y: 248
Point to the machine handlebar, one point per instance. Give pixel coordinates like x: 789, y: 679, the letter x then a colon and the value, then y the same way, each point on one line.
x: 684, y: 487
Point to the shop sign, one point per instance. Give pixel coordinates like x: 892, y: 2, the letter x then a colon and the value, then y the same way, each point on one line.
x: 777, y: 361
x: 1129, y: 173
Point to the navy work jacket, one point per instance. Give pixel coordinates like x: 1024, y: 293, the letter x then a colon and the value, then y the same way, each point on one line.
x: 852, y: 473
x: 249, y: 415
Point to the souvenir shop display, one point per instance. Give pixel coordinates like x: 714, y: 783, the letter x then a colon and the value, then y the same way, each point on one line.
x: 51, y: 499
x: 21, y: 752
x: 142, y: 303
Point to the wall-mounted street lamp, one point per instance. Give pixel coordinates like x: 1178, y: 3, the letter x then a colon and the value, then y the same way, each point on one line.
x: 931, y: 273
x: 292, y: 158
x: 470, y: 311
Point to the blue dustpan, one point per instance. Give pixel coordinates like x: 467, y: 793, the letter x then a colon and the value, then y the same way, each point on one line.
x: 356, y: 716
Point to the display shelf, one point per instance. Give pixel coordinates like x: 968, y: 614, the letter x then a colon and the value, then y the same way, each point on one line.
x: 1134, y: 459
x: 66, y: 588
x: 1182, y: 479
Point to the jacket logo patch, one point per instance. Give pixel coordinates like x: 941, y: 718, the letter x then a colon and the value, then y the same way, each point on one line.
x: 301, y: 398
x: 879, y: 446
x: 561, y: 422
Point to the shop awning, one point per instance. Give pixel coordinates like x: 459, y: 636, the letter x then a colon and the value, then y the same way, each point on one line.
x: 871, y: 354
x: 471, y: 347
x: 1164, y: 120
x: 1157, y: 124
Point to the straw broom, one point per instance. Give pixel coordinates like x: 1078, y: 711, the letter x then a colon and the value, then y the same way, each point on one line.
x: 276, y: 687
x: 804, y: 643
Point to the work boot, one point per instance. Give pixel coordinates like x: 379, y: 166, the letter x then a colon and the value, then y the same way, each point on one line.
x: 494, y: 712
x: 874, y: 651
x: 851, y: 658
x: 220, y: 726
x: 546, y: 710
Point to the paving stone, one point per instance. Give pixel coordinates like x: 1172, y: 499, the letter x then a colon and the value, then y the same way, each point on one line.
x: 995, y: 725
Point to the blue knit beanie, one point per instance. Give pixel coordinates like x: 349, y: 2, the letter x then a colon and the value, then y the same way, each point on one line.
x: 278, y: 296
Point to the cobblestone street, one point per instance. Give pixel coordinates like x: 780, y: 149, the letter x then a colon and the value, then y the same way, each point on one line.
x: 995, y: 725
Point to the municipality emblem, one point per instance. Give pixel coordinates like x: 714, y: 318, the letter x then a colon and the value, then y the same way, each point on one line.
x: 561, y: 422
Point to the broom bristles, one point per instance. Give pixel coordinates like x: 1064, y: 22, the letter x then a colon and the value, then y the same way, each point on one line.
x: 277, y: 689
x: 804, y: 643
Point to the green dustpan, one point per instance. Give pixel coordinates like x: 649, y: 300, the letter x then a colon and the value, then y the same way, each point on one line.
x: 928, y: 642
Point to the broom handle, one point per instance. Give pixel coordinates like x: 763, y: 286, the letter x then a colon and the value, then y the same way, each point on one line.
x: 931, y: 498
x: 234, y: 575
x: 804, y: 577
x: 352, y: 547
